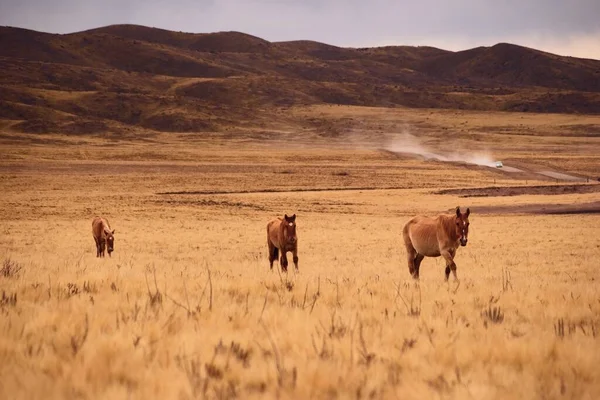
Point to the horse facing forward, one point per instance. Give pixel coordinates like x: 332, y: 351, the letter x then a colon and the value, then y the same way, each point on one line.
x: 281, y: 237
x: 432, y: 237
x: 103, y: 236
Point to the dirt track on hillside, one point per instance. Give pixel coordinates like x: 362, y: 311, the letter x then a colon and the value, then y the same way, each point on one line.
x: 585, y: 208
x: 495, y: 191
x: 539, y: 208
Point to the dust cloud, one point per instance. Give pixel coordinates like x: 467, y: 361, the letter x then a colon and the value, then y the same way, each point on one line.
x: 409, y: 144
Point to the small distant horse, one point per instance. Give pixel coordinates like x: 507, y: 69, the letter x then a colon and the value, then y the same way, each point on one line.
x: 103, y: 236
x: 432, y: 237
x: 281, y: 237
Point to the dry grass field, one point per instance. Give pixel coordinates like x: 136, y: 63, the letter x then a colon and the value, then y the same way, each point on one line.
x: 187, y: 306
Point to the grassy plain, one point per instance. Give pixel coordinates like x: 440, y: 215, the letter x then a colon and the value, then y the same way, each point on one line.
x: 187, y: 306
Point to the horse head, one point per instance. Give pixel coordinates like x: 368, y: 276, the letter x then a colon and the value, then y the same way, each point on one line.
x: 110, y: 240
x: 289, y: 229
x: 462, y: 226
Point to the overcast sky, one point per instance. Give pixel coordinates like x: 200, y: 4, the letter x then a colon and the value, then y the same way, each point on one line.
x: 558, y: 26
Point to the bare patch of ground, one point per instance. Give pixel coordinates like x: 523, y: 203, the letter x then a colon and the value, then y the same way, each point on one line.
x: 585, y: 208
x: 495, y: 191
x: 560, y: 176
x: 212, y: 203
x: 326, y: 189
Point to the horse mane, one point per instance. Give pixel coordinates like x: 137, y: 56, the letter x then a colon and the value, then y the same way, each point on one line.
x: 447, y: 222
x: 281, y: 229
x: 104, y: 224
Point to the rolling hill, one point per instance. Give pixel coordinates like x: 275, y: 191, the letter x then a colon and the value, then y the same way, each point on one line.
x: 127, y: 77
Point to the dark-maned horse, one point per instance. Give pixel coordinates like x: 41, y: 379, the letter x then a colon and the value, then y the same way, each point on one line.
x: 281, y: 237
x: 432, y: 237
x: 103, y: 236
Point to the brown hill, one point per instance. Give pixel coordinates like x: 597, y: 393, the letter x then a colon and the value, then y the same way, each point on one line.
x: 234, y: 42
x: 125, y: 76
x: 512, y: 65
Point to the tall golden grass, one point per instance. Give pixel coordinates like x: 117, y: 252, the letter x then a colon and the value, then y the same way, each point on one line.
x: 187, y: 308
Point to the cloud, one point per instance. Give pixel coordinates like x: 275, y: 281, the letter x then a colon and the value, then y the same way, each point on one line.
x: 575, y: 45
x: 570, y: 27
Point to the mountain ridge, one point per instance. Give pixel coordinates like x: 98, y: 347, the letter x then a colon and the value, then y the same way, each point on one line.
x: 211, y: 81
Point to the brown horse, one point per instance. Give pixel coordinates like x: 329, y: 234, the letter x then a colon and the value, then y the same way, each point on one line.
x: 103, y: 236
x: 432, y: 237
x: 281, y: 236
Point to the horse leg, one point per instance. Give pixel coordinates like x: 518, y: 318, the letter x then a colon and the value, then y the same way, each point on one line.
x: 97, y: 247
x: 450, y: 264
x: 417, y: 264
x: 284, y: 261
x: 295, y: 258
x: 411, y: 252
x: 272, y: 253
x: 412, y: 255
x: 453, y: 266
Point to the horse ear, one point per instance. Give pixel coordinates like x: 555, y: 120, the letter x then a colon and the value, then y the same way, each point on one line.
x: 468, y: 212
x: 293, y: 217
x: 458, y: 211
x: 113, y: 231
x: 286, y: 217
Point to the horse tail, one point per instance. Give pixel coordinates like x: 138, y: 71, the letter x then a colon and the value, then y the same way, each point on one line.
x: 406, y: 234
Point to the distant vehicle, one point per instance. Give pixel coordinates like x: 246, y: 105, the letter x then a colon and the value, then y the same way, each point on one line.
x: 499, y: 164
